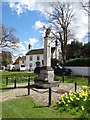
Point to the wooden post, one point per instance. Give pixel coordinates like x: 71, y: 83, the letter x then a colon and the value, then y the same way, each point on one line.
x: 75, y: 86
x: 6, y: 80
x: 49, y: 96
x: 15, y: 83
x: 29, y: 85
x: 88, y: 81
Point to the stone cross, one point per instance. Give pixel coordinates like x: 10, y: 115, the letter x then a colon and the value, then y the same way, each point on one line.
x: 47, y: 49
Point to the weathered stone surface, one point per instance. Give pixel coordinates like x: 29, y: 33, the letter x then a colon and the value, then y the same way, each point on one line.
x: 46, y: 76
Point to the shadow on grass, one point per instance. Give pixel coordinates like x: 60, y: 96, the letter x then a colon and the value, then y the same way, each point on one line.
x: 41, y: 106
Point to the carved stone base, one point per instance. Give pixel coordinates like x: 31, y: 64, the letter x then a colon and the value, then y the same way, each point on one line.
x: 46, y: 78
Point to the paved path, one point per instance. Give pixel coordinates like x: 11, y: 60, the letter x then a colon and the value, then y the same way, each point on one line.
x: 40, y: 95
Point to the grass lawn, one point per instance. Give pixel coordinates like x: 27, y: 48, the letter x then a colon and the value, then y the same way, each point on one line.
x: 71, y: 79
x: 27, y: 108
x: 21, y: 77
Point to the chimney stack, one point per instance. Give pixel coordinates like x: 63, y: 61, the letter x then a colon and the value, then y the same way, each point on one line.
x: 29, y: 47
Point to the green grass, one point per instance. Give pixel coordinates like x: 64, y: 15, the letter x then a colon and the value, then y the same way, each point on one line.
x: 27, y: 108
x: 72, y: 79
x: 21, y: 77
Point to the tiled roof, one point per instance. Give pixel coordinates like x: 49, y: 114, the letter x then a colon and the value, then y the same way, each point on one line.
x: 38, y: 51
x: 19, y: 58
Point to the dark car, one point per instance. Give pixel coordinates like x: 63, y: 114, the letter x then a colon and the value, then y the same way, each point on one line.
x: 58, y: 70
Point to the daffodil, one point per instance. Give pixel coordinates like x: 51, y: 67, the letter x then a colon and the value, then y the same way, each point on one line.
x: 77, y: 98
x: 84, y: 87
x: 63, y: 102
x: 84, y: 99
x: 68, y: 101
x: 59, y: 102
x: 71, y: 98
x: 66, y: 96
x: 82, y: 107
x: 86, y: 94
x: 66, y: 104
x: 70, y: 92
x: 62, y: 99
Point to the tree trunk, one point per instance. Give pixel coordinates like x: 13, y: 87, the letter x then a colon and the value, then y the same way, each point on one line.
x: 62, y: 62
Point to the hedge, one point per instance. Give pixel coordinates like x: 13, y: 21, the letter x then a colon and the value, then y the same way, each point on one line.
x: 78, y: 62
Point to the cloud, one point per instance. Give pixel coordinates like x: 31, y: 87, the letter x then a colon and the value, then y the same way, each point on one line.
x: 12, y: 5
x: 81, y: 23
x: 21, y: 6
x: 20, y: 46
x: 26, y: 42
x: 33, y: 41
x: 38, y: 25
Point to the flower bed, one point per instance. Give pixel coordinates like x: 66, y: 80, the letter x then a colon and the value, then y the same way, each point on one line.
x: 78, y: 100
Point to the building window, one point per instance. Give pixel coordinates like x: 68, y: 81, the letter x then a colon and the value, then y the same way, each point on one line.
x: 31, y: 58
x: 22, y: 61
x: 30, y: 65
x: 22, y: 65
x: 38, y: 58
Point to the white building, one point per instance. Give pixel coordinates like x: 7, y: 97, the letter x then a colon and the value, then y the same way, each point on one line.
x: 20, y: 63
x: 33, y: 58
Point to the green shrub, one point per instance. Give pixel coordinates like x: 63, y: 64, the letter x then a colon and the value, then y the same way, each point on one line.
x: 55, y: 62
x: 78, y: 62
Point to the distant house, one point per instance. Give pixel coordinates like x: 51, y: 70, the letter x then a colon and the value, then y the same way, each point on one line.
x: 33, y: 58
x: 20, y: 63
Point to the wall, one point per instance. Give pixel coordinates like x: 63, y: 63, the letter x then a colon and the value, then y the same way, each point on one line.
x: 33, y: 62
x: 81, y: 71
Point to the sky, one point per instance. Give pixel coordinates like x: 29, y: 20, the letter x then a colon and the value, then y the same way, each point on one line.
x: 27, y: 17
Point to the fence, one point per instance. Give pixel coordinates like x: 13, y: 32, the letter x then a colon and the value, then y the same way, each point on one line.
x: 29, y: 87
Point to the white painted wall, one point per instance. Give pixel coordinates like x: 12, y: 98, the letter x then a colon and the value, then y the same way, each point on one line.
x: 82, y: 71
x: 33, y: 62
x: 21, y: 63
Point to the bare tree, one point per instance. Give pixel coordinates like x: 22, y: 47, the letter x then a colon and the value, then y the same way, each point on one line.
x: 7, y: 38
x: 61, y: 25
x: 86, y: 6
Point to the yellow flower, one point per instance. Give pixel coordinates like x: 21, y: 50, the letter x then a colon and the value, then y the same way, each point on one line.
x: 74, y: 95
x: 77, y: 98
x: 83, y: 93
x: 66, y: 95
x: 71, y: 99
x: 59, y: 102
x: 86, y: 94
x: 80, y: 96
x: 85, y: 87
x: 82, y: 107
x: 77, y: 91
x: 62, y: 96
x: 84, y: 100
x: 62, y: 99
x: 70, y: 92
x: 66, y: 104
x: 68, y: 101
x: 63, y: 102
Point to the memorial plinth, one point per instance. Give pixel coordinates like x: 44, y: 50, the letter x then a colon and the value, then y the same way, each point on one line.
x: 46, y: 76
